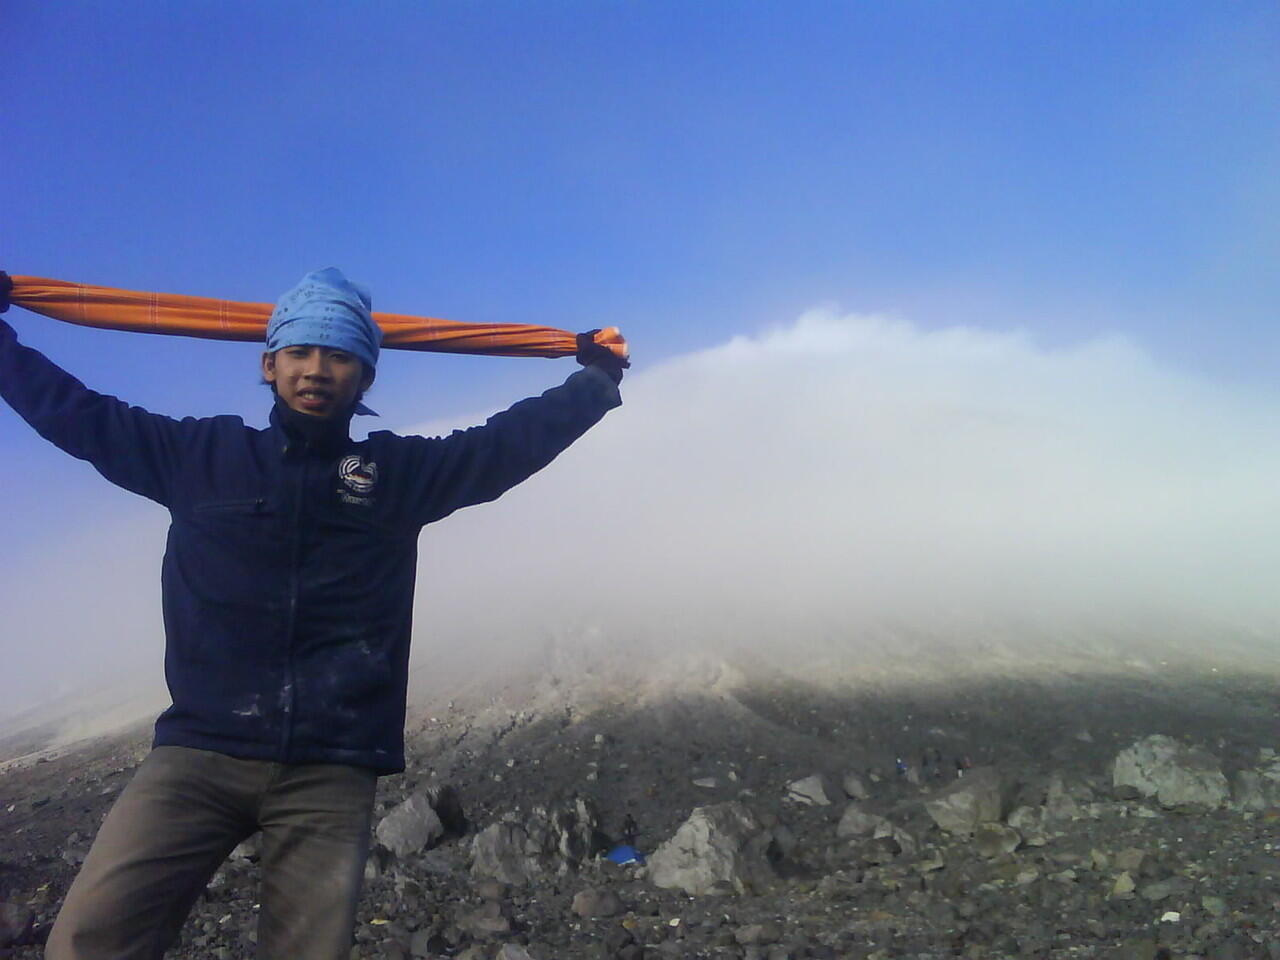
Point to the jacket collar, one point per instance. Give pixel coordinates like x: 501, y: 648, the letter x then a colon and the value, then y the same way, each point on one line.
x: 304, y: 434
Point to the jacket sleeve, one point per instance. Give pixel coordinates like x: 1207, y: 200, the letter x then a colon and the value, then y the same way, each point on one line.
x: 481, y: 463
x: 129, y: 446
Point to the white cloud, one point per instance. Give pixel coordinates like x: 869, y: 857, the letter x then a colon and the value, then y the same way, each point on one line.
x: 846, y: 481
x: 861, y: 477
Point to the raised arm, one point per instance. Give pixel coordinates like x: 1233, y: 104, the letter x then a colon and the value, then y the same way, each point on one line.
x: 481, y: 463
x: 129, y: 446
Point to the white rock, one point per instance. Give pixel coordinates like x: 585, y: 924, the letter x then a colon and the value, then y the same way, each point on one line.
x: 720, y: 849
x: 1059, y: 802
x: 1175, y: 775
x: 857, y: 822
x: 855, y: 788
x: 811, y: 791
x: 961, y: 806
x: 410, y: 827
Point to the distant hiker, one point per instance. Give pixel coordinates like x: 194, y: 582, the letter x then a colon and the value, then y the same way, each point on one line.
x: 901, y: 766
x: 287, y: 583
x: 959, y: 768
x: 630, y: 830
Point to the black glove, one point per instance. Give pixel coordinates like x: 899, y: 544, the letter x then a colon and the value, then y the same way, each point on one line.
x: 591, y: 354
x: 6, y: 288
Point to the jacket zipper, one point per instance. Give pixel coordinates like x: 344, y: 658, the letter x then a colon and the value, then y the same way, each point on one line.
x: 295, y: 559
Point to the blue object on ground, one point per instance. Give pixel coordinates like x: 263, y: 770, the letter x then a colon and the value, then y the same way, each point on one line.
x: 623, y: 854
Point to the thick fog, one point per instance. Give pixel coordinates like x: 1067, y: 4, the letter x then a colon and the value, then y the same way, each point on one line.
x: 850, y: 483
x: 857, y: 485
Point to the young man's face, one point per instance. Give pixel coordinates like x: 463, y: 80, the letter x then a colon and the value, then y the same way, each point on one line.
x: 318, y: 381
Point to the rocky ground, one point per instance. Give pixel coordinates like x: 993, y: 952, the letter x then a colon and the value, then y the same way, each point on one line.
x: 1011, y: 817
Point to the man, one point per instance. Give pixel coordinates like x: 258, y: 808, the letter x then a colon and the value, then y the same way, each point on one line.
x: 287, y: 588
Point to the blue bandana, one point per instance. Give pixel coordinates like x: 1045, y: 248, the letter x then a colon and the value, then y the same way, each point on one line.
x: 327, y: 310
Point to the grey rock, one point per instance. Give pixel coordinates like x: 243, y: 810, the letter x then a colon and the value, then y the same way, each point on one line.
x: 410, y: 827
x: 758, y: 933
x: 1029, y: 821
x: 491, y: 889
x: 596, y: 902
x: 513, y: 951
x: 995, y: 839
x: 1249, y: 791
x: 1135, y: 948
x: 548, y: 841
x: 1258, y: 789
x: 1233, y: 948
x: 811, y: 791
x: 15, y: 923
x: 1163, y: 889
x: 505, y: 852
x: 1214, y: 906
x: 487, y: 920
x: 1175, y: 775
x: 857, y: 822
x: 720, y: 849
x: 855, y: 787
x: 76, y: 850
x: 1129, y: 859
x: 1060, y: 802
x: 961, y: 806
x: 249, y: 850
x: 420, y: 943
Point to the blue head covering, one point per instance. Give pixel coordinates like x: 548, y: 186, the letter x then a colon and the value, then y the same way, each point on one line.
x: 327, y: 310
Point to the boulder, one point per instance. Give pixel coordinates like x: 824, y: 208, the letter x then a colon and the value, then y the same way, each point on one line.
x: 596, y: 902
x: 487, y: 920
x: 504, y: 852
x: 1062, y: 802
x: 1259, y: 788
x: 855, y: 787
x: 857, y: 822
x: 546, y: 842
x: 410, y: 827
x: 811, y: 791
x: 1029, y: 821
x: 961, y: 806
x: 993, y: 839
x: 720, y: 849
x: 1175, y: 775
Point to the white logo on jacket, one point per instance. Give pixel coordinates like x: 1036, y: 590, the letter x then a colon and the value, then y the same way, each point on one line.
x: 359, y: 476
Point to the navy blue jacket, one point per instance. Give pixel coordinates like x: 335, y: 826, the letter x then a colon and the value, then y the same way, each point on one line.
x: 289, y: 570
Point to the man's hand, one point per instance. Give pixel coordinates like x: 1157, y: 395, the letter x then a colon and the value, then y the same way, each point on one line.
x: 591, y: 354
x: 6, y: 288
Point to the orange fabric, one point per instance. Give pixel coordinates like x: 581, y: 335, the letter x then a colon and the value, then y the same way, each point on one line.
x: 210, y: 319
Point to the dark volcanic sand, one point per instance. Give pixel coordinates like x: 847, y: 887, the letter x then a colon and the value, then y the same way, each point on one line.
x: 833, y: 898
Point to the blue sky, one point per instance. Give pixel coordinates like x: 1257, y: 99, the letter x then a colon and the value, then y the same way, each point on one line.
x: 690, y: 172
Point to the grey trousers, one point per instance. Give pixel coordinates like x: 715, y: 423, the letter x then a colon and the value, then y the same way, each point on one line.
x: 178, y: 819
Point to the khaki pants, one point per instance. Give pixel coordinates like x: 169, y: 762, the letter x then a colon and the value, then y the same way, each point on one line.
x: 178, y: 819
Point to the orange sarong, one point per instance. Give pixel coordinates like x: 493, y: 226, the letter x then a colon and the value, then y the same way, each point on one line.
x: 111, y: 309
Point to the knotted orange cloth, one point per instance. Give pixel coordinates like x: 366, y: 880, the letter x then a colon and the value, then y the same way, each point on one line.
x: 183, y: 316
